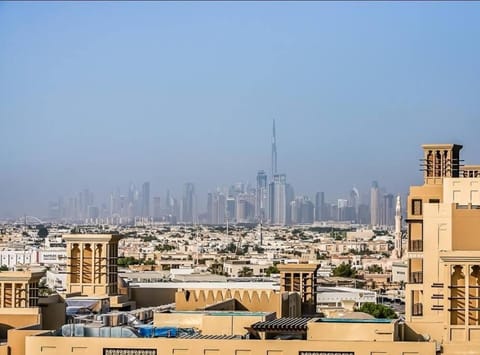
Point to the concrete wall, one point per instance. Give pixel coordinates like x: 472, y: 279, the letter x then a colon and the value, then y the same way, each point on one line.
x: 44, y: 345
x: 16, y: 340
x: 465, y: 229
x: 53, y: 316
x: 150, y: 297
x: 19, y: 320
x: 252, y: 300
x: 326, y: 331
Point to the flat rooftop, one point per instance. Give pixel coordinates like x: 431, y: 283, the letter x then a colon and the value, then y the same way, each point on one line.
x: 223, y: 313
x: 353, y: 320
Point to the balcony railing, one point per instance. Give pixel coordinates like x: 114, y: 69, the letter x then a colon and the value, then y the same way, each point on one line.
x: 416, y: 245
x: 416, y: 277
x: 417, y: 309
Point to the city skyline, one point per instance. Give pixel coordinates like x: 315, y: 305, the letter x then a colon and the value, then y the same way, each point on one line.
x: 170, y: 93
x: 271, y: 201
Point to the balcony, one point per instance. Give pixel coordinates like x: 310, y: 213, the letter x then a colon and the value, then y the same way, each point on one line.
x: 416, y: 245
x: 416, y: 277
x: 417, y: 309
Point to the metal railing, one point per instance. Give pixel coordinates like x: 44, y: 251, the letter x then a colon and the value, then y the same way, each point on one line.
x: 416, y: 277
x: 416, y: 245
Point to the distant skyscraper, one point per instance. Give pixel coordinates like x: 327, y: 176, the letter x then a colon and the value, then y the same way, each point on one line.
x: 210, y: 208
x: 231, y: 212
x: 374, y: 205
x: 157, y: 208
x: 388, y: 210
x: 145, y: 199
x: 342, y: 208
x: 278, y: 200
x: 245, y: 208
x: 353, y: 203
x: 320, y: 206
x: 216, y: 208
x: 219, y: 208
x: 302, y: 210
x: 363, y: 214
x: 188, y: 209
x: 289, y: 197
x: 261, y: 201
x: 274, y: 151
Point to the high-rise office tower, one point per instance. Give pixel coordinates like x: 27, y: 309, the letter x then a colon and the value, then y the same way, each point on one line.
x: 219, y: 208
x: 374, y: 205
x: 188, y: 208
x: 274, y: 151
x: 245, y: 208
x: 261, y: 201
x: 85, y: 200
x: 168, y: 203
x: 216, y: 208
x: 363, y: 214
x: 302, y: 210
x: 131, y: 193
x: 231, y: 209
x: 388, y: 210
x: 145, y: 199
x: 289, y: 197
x: 320, y: 206
x: 237, y: 188
x: 278, y: 200
x: 210, y: 208
x: 353, y: 203
x: 157, y: 208
x: 307, y: 211
x: 342, y: 208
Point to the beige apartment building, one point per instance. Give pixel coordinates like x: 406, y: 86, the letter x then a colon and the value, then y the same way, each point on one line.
x: 443, y: 215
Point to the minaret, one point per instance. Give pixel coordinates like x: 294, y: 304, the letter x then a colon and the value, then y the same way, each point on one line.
x: 398, y: 229
x: 274, y: 151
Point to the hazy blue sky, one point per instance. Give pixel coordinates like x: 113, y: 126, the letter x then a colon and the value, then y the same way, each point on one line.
x: 98, y: 94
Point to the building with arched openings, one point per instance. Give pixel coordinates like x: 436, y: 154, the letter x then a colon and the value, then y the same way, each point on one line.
x: 92, y: 264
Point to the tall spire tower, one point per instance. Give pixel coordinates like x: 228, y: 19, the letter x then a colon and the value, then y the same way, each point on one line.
x: 274, y: 151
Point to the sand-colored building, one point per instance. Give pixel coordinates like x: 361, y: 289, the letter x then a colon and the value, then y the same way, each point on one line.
x: 443, y: 215
x: 300, y: 278
x: 21, y: 304
x: 92, y: 269
x: 282, y: 304
x: 319, y: 337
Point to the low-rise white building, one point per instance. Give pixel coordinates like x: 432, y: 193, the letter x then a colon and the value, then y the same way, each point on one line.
x: 335, y: 296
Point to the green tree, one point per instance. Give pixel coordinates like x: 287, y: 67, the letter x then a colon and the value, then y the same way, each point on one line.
x: 129, y: 260
x: 344, y: 270
x: 377, y: 310
x: 273, y: 269
x: 42, y: 232
x: 216, y: 268
x: 164, y: 247
x: 245, y: 272
x: 375, y: 269
x: 4, y: 268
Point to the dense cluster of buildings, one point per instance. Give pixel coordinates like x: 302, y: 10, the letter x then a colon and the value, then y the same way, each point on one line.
x: 208, y: 290
x: 271, y: 201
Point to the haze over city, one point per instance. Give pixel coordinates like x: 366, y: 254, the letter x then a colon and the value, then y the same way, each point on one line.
x: 99, y: 95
